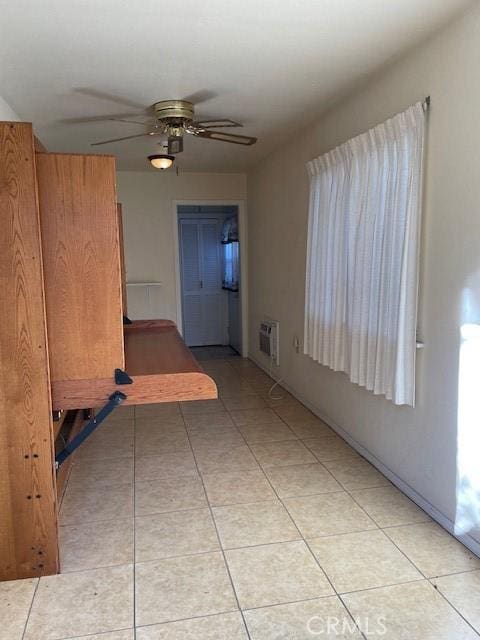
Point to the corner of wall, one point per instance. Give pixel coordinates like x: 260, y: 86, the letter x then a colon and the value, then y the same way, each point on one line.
x: 7, y: 113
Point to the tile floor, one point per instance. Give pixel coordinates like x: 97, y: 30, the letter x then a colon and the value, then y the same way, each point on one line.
x: 243, y: 517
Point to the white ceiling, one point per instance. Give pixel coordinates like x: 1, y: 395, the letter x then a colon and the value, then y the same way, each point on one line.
x: 271, y: 64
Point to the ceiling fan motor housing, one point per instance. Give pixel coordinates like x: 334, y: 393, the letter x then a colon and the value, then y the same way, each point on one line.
x: 174, y: 111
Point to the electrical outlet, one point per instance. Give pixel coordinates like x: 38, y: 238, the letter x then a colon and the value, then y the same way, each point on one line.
x: 296, y: 344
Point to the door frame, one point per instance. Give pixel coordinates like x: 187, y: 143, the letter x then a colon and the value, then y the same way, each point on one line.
x: 242, y: 236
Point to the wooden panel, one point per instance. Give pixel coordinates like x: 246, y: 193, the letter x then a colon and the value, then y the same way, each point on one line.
x: 122, y: 259
x: 148, y: 389
x: 140, y: 325
x: 81, y: 257
x: 58, y: 424
x: 157, y: 350
x: 161, y: 366
x: 28, y: 527
x: 65, y: 468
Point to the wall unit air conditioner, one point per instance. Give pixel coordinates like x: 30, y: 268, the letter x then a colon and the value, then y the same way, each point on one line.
x: 269, y: 339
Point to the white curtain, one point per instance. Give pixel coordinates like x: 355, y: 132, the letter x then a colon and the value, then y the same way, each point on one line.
x: 362, y: 256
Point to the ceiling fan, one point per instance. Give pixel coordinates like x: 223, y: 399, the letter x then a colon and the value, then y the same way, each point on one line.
x: 175, y: 118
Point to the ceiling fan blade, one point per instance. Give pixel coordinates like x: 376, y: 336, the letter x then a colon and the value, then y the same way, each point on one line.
x: 139, y: 135
x: 175, y: 145
x: 200, y: 96
x: 113, y: 116
x: 104, y: 95
x: 143, y: 124
x: 226, y: 137
x: 212, y: 124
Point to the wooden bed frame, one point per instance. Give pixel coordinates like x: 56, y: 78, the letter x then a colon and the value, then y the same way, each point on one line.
x: 156, y: 359
x: 62, y: 335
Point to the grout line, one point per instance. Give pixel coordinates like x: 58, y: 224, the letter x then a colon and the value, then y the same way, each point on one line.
x: 95, y: 635
x: 455, y: 573
x: 85, y: 522
x: 222, y: 550
x: 424, y: 577
x: 396, y: 481
x: 98, y: 567
x: 428, y: 579
x: 79, y: 464
x: 304, y: 541
x: 134, y: 525
x: 206, y: 615
x: 386, y: 534
x: 477, y: 631
x: 30, y: 608
x: 315, y: 557
x: 383, y: 586
x: 401, y: 551
x: 338, y: 595
x: 299, y: 532
x: 348, y: 492
x: 411, y: 524
x: 81, y: 486
x: 352, y: 617
x: 270, y: 499
x: 182, y: 555
x: 283, y: 604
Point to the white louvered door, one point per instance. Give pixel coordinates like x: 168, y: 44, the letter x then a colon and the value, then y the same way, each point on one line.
x: 201, y: 282
x: 191, y: 282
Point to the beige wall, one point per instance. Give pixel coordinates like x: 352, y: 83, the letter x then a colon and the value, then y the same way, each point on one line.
x: 6, y: 112
x: 419, y: 446
x: 147, y: 200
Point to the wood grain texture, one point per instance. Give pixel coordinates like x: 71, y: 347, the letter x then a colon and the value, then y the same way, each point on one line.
x: 157, y: 350
x: 122, y: 259
x: 81, y: 257
x: 141, y: 325
x: 58, y: 424
x: 163, y: 369
x: 66, y: 467
x: 28, y: 523
x: 178, y: 387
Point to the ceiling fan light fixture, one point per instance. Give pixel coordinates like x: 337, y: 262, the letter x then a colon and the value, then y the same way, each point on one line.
x: 161, y: 161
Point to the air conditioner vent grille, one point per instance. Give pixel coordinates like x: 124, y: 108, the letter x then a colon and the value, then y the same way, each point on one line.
x: 268, y: 339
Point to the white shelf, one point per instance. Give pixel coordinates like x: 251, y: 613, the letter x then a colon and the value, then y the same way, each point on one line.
x: 144, y: 284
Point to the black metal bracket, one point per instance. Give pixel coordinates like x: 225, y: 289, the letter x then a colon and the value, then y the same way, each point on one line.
x: 122, y: 377
x: 114, y: 401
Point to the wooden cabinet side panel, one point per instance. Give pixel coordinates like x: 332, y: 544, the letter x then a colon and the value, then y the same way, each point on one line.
x: 28, y: 524
x: 81, y: 256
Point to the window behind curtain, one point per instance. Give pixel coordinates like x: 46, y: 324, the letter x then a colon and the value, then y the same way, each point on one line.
x: 362, y: 256
x: 231, y: 263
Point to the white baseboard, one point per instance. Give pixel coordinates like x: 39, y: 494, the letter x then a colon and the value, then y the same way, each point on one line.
x: 409, y: 491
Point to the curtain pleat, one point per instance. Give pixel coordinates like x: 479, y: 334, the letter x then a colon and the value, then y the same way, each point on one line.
x: 362, y: 256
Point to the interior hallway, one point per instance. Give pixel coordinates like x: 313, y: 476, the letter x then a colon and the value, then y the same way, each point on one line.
x: 242, y: 517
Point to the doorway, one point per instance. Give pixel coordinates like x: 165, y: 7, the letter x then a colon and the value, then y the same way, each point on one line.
x: 209, y: 269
